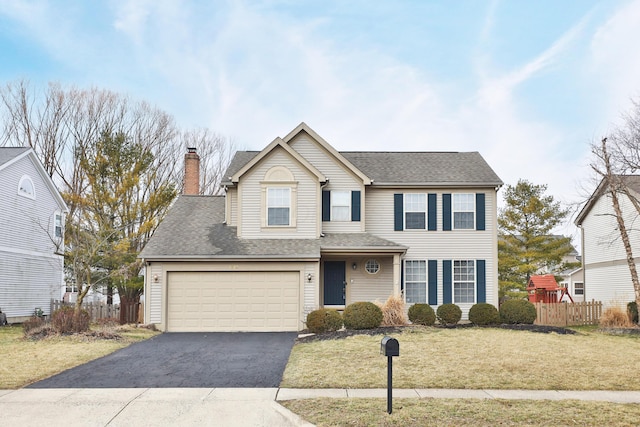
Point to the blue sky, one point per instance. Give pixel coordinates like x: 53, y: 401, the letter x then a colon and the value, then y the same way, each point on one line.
x: 528, y: 84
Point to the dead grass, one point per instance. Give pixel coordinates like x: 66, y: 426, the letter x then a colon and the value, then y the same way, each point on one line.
x: 615, y: 317
x: 467, y: 412
x: 472, y: 358
x: 25, y: 361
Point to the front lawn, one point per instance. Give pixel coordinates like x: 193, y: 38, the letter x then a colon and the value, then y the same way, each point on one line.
x: 25, y: 361
x: 471, y: 358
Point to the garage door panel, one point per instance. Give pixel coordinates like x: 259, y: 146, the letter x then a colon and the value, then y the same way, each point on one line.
x: 233, y: 301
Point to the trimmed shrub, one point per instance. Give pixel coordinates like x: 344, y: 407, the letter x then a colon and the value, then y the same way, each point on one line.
x: 324, y: 320
x: 448, y: 314
x: 484, y: 313
x: 65, y: 321
x: 362, y: 315
x: 516, y: 311
x: 393, y: 313
x: 32, y: 323
x: 614, y: 317
x: 632, y: 310
x: 422, y: 314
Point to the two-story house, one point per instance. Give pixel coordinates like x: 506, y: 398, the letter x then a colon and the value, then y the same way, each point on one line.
x: 303, y: 226
x: 31, y: 235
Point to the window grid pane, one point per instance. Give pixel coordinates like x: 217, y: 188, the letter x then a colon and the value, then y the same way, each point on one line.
x: 415, y: 208
x: 415, y: 281
x: 340, y: 206
x: 464, y: 211
x: 464, y: 280
x: 278, y: 206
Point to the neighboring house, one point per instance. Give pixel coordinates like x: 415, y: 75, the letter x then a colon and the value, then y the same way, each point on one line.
x: 604, y: 260
x: 31, y: 235
x: 303, y: 226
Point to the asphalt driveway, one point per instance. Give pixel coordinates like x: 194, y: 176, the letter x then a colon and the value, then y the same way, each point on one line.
x: 242, y: 359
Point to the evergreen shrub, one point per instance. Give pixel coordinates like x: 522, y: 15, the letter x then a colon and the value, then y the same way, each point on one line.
x: 484, y: 313
x: 324, y: 320
x: 448, y: 314
x: 362, y: 315
x: 516, y: 311
x: 422, y: 314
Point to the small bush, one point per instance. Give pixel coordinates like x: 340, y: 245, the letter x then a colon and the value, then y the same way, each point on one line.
x: 448, y: 314
x: 632, y: 310
x: 515, y: 311
x: 32, y: 323
x: 324, y: 320
x: 65, y: 321
x: 484, y: 313
x: 362, y: 315
x: 614, y: 317
x: 393, y: 313
x: 422, y: 314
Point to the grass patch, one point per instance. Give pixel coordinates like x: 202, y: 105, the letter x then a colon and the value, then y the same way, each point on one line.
x: 25, y: 361
x: 470, y: 358
x: 463, y: 412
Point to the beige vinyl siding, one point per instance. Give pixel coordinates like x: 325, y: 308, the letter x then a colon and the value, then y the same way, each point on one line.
x: 606, y: 273
x: 439, y: 245
x: 363, y: 286
x: 339, y: 179
x: 154, y: 297
x: 251, y: 210
x: 231, y: 198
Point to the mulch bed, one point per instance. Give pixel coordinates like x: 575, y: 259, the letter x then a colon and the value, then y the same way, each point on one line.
x: 388, y: 330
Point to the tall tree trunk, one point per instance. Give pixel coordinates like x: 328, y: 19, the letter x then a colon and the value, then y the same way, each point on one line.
x: 615, y: 186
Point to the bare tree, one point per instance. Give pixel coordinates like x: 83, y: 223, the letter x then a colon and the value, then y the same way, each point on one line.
x: 215, y: 153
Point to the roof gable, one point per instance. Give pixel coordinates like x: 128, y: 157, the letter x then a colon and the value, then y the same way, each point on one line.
x: 328, y: 148
x: 12, y: 155
x: 278, y: 142
x: 632, y: 182
x: 545, y: 281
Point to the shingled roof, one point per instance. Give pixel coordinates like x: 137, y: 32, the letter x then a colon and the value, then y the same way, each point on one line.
x: 10, y: 153
x: 409, y: 168
x: 194, y: 229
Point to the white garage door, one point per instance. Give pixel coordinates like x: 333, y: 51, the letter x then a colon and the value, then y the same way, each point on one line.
x: 233, y: 301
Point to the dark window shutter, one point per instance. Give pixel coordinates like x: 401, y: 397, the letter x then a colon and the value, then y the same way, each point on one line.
x: 481, y: 280
x: 326, y: 205
x: 432, y: 206
x: 433, y: 282
x: 446, y: 211
x: 398, y: 213
x: 480, y: 211
x: 447, y: 285
x: 355, y: 206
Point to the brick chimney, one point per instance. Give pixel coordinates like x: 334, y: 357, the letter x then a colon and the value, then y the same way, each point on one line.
x: 191, y: 172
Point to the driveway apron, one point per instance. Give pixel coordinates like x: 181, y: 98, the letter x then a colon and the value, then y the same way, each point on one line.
x: 242, y: 359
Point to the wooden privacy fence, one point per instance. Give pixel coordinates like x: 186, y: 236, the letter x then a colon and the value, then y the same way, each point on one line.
x: 568, y: 314
x: 133, y: 313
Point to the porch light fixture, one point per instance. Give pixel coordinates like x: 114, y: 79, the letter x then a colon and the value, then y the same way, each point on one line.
x: 309, y: 277
x: 155, y: 278
x: 354, y: 266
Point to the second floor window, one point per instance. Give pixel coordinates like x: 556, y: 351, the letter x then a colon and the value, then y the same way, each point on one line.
x: 341, y: 205
x: 278, y: 206
x: 464, y: 211
x: 415, y: 211
x: 57, y: 226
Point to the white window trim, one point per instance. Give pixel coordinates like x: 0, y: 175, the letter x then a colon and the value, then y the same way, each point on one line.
x: 377, y: 263
x: 268, y: 206
x: 453, y: 281
x: 23, y: 193
x: 453, y: 211
x: 348, y: 205
x: 405, y: 211
x: 426, y: 281
x: 55, y: 216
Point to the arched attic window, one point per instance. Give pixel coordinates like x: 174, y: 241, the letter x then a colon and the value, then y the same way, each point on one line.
x: 26, y: 187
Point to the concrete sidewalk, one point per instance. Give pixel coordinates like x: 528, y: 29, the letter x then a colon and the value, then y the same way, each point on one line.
x: 221, y: 406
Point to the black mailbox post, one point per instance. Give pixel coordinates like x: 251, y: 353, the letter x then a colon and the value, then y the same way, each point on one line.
x: 389, y: 347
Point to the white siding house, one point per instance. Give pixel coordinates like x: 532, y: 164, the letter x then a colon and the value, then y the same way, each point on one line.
x: 31, y: 235
x: 606, y: 275
x: 304, y: 226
